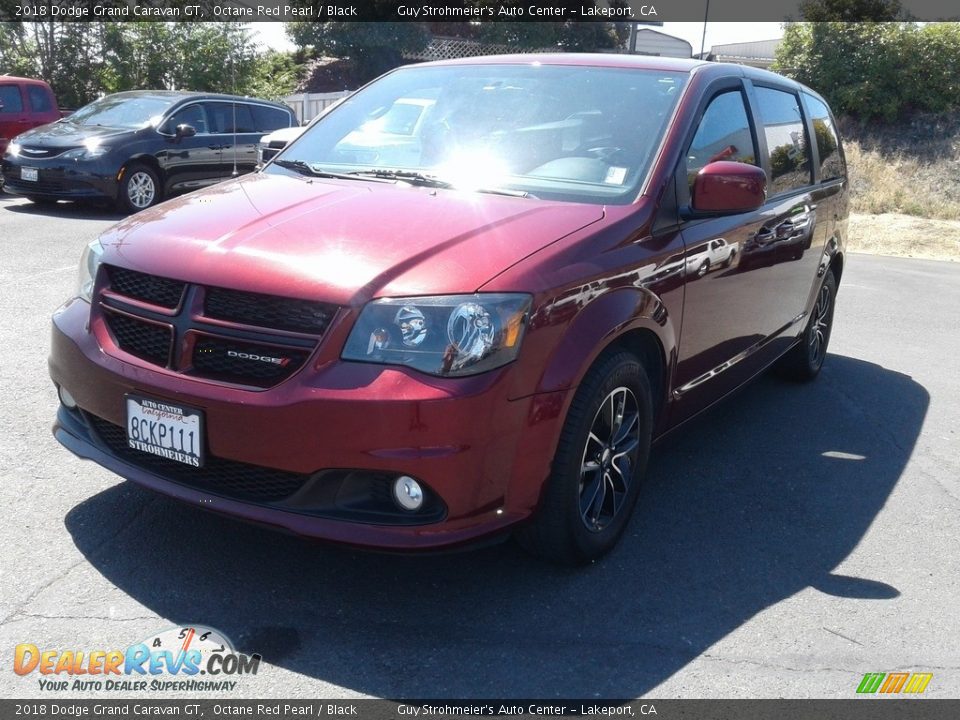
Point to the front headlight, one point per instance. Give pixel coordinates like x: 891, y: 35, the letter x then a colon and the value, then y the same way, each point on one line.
x: 89, y: 262
x: 450, y: 335
x: 91, y: 149
x: 13, y: 149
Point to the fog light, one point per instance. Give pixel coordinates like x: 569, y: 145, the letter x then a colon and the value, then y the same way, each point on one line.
x: 407, y: 493
x: 66, y: 398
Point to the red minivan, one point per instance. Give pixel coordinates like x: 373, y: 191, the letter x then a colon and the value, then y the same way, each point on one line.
x: 465, y: 302
x: 24, y: 104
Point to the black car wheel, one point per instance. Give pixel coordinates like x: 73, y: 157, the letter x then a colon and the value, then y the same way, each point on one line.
x: 804, y: 361
x: 600, y: 461
x: 139, y: 188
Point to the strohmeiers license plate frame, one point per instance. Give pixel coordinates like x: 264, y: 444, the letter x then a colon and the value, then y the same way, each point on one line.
x: 165, y: 429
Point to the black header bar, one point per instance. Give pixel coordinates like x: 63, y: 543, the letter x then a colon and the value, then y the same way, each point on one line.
x: 651, y: 11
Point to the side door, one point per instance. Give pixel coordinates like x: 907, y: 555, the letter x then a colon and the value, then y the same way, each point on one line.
x: 13, y: 113
x: 189, y: 162
x: 234, y: 124
x: 740, y: 317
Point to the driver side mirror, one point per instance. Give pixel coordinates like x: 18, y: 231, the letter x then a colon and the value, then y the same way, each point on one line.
x: 184, y: 131
x: 725, y: 187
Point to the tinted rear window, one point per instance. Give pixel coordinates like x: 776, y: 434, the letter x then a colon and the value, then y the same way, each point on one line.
x: 230, y: 117
x: 787, y: 143
x: 268, y: 119
x: 40, y: 99
x: 828, y: 143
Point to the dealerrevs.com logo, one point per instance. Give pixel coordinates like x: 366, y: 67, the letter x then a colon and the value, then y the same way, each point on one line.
x: 190, y: 659
x: 894, y: 683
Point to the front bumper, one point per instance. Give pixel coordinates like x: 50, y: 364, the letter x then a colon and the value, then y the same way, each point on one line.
x: 60, y: 179
x: 482, y: 456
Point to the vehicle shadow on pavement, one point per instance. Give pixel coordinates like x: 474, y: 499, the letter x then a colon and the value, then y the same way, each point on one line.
x: 754, y: 502
x: 68, y: 210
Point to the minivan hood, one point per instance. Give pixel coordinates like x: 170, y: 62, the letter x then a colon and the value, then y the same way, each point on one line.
x: 66, y: 134
x: 339, y: 241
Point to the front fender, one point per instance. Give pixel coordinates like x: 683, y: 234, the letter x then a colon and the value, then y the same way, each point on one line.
x: 598, y: 324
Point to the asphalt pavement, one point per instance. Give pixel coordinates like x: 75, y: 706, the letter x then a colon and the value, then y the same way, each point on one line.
x: 785, y: 544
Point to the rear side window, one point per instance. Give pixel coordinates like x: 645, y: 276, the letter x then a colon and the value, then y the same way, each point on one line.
x: 222, y: 115
x: 723, y: 134
x: 828, y: 143
x: 10, y: 101
x: 268, y: 119
x: 787, y: 140
x: 39, y: 98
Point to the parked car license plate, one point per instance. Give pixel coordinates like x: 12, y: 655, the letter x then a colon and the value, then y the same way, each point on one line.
x: 29, y: 173
x: 171, y: 431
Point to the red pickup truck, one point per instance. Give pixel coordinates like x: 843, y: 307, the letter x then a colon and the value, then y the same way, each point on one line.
x: 24, y: 104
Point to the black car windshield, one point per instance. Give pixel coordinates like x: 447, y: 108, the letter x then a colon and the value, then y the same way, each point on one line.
x: 562, y: 132
x: 120, y: 111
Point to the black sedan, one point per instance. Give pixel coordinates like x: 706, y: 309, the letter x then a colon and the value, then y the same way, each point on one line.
x: 136, y: 148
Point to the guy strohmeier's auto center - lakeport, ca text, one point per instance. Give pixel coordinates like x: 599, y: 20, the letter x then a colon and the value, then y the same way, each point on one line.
x: 282, y: 11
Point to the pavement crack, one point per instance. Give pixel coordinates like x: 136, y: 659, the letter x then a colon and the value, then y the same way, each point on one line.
x: 84, y: 558
x: 44, y: 616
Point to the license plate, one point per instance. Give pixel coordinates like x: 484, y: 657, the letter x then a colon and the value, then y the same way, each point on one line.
x: 27, y: 173
x: 161, y: 428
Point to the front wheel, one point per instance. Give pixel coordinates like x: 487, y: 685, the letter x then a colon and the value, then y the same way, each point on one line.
x: 139, y: 188
x: 601, y: 458
x: 804, y: 361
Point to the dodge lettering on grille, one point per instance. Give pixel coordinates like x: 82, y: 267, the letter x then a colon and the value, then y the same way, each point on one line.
x: 282, y: 362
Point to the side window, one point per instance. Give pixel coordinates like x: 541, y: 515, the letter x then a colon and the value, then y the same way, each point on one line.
x: 723, y: 134
x: 828, y: 143
x: 222, y: 115
x: 787, y: 140
x: 10, y: 101
x: 192, y: 115
x: 268, y: 119
x: 39, y: 98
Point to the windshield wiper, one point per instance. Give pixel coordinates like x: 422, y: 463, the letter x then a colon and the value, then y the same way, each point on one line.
x: 507, y: 192
x: 410, y: 176
x: 305, y: 168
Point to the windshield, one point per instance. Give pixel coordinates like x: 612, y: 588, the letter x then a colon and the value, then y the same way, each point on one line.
x: 119, y: 111
x: 582, y: 134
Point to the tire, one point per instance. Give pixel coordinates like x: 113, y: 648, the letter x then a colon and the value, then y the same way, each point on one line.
x: 139, y: 188
x: 574, y: 523
x: 731, y: 258
x: 704, y: 268
x: 803, y: 362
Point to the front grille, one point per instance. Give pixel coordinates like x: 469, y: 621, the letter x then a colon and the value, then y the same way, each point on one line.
x: 240, y: 337
x: 148, y: 288
x: 223, y: 359
x: 269, y: 311
x: 228, y: 478
x: 144, y: 339
x: 32, y: 152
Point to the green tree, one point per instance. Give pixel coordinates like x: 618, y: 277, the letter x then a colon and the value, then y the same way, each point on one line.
x: 850, y: 10
x: 374, y: 47
x: 876, y: 69
x: 857, y: 66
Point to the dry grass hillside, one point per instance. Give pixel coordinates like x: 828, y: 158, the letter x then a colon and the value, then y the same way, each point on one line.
x: 905, y: 187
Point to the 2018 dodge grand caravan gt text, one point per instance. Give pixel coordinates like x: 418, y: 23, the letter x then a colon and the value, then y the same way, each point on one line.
x: 412, y: 336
